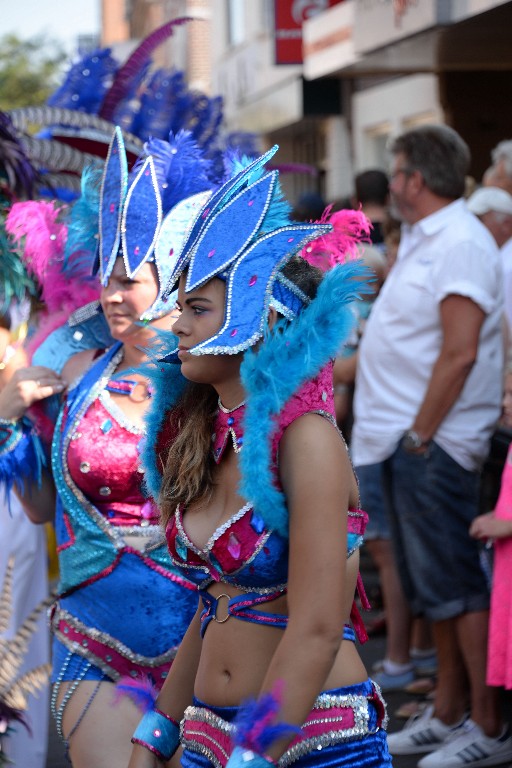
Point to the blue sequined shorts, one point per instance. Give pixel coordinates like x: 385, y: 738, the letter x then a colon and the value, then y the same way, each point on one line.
x: 346, y: 728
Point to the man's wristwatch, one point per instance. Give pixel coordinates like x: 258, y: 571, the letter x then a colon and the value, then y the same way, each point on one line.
x: 412, y: 441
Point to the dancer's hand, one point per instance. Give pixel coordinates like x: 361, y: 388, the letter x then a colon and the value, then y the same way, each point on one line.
x: 27, y: 386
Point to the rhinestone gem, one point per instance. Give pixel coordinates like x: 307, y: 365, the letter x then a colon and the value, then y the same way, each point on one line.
x: 85, y: 643
x: 230, y: 420
x: 291, y: 239
x: 108, y: 657
x: 257, y: 523
x: 324, y: 396
x: 239, y: 441
x: 78, y: 335
x: 136, y: 250
x: 106, y: 426
x: 105, y: 490
x: 234, y: 332
x: 253, y: 279
x: 85, y: 467
x: 234, y: 546
x: 133, y: 673
x: 157, y: 733
x: 66, y: 630
x: 53, y: 237
x: 181, y: 548
x: 112, y: 207
x: 211, y: 253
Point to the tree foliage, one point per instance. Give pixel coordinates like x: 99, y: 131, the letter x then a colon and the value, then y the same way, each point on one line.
x: 29, y: 70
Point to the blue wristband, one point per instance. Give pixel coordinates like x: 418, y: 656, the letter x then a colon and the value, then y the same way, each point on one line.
x: 159, y: 733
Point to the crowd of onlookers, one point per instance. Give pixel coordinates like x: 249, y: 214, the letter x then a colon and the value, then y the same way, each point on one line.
x: 419, y: 393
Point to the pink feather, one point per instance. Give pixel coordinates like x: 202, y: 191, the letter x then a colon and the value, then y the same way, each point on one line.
x: 36, y: 230
x: 141, y: 691
x: 349, y: 230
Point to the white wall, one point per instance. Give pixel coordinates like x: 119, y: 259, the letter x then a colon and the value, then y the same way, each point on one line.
x: 389, y: 109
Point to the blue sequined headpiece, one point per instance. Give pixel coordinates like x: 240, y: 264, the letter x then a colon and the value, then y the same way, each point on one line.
x: 244, y: 236
x: 148, y: 215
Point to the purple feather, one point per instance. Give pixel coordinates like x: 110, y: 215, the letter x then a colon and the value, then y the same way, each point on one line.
x: 254, y: 726
x: 128, y: 72
x: 141, y: 691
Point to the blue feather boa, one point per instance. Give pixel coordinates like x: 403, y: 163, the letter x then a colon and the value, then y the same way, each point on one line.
x: 282, y: 364
x: 167, y: 385
x: 290, y: 355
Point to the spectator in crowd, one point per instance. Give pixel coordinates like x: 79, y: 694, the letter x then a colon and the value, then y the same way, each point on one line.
x: 499, y: 173
x: 344, y: 373
x: 493, y: 206
x: 495, y: 528
x: 432, y: 352
x: 310, y: 207
x: 391, y: 232
x: 372, y: 196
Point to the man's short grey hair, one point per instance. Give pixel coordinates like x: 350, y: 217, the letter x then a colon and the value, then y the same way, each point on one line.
x: 439, y: 154
x: 503, y: 151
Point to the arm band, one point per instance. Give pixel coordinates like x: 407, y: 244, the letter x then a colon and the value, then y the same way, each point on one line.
x: 159, y: 733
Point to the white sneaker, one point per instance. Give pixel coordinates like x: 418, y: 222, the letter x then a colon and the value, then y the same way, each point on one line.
x: 470, y: 748
x: 421, y: 733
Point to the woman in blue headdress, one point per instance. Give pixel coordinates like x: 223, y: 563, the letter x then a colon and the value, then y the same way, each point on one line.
x: 115, y: 572
x: 260, y: 502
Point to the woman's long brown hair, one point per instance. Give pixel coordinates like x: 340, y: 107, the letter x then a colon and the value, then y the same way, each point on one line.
x: 188, y: 473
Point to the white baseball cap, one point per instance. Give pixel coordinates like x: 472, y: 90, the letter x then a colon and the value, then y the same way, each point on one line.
x: 488, y: 199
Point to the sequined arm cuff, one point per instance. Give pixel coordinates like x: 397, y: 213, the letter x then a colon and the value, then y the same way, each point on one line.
x: 159, y: 733
x: 21, y: 454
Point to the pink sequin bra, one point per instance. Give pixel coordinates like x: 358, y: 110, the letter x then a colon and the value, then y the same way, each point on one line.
x: 104, y: 462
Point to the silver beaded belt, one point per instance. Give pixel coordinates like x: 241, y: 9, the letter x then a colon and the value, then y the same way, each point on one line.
x: 334, y: 719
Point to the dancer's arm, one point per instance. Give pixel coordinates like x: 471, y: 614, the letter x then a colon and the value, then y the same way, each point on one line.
x: 178, y: 690
x: 316, y: 477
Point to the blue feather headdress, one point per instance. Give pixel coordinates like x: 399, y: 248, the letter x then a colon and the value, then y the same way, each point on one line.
x: 244, y: 235
x: 147, y: 215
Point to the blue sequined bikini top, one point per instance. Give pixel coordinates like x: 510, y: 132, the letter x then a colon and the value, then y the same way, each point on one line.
x: 242, y: 551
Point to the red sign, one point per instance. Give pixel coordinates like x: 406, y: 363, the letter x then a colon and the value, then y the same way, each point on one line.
x: 289, y: 17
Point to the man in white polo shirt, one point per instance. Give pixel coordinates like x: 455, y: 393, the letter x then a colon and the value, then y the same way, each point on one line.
x: 427, y: 398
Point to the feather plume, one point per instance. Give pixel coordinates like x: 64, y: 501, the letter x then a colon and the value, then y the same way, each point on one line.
x: 129, y: 71
x: 13, y: 689
x: 66, y: 284
x: 349, y: 229
x: 21, y: 174
x: 30, y: 682
x: 142, y: 692
x: 255, y: 726
x: 86, y: 82
x: 274, y: 372
x: 180, y: 166
x: 6, y: 597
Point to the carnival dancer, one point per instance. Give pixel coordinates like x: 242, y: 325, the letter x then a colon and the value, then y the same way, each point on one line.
x: 123, y: 607
x: 260, y: 502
